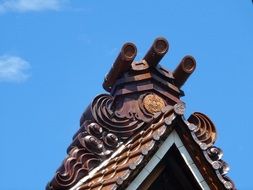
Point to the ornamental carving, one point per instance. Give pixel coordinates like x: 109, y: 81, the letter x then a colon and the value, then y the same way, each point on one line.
x: 120, y: 131
x: 153, y: 103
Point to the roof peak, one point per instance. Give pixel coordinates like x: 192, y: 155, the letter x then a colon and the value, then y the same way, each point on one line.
x: 125, y: 63
x: 142, y: 109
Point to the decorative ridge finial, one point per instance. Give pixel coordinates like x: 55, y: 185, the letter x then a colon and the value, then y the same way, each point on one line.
x: 185, y: 68
x: 127, y: 74
x: 156, y: 52
x: 122, y: 64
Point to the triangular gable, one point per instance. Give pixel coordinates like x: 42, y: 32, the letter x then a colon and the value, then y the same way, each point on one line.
x: 173, y: 148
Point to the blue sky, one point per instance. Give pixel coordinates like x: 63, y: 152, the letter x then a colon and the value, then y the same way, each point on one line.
x: 54, y: 56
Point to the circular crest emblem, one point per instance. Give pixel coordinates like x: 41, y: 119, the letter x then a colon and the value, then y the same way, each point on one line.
x: 153, y: 103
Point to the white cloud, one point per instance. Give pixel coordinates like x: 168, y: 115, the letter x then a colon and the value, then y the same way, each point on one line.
x: 13, y: 69
x: 29, y: 5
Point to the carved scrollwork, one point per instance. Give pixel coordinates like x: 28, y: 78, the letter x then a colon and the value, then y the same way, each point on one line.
x: 93, y: 144
x: 102, y: 129
x: 120, y: 122
x: 78, y: 163
x: 90, y: 146
x: 205, y: 129
x: 215, y: 153
x: 111, y: 140
x: 94, y: 129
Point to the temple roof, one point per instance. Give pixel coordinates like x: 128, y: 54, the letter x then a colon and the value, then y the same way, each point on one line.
x: 122, y: 132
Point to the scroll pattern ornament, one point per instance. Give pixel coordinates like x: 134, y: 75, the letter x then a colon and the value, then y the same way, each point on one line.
x: 89, y: 148
x: 123, y: 123
x: 205, y: 129
x: 98, y: 137
x: 205, y: 132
